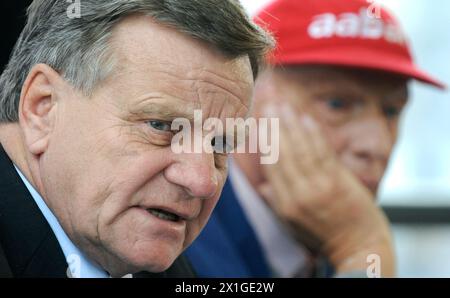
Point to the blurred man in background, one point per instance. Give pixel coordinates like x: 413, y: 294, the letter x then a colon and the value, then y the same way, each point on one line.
x: 338, y: 83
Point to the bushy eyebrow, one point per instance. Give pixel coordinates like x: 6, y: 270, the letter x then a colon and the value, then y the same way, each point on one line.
x: 163, y: 111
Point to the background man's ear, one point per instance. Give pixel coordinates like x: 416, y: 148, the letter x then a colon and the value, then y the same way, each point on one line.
x: 37, y: 107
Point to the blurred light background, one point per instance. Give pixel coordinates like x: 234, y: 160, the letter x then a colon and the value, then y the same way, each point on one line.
x: 419, y: 173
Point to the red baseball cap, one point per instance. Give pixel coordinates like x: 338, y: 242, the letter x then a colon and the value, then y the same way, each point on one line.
x: 350, y: 33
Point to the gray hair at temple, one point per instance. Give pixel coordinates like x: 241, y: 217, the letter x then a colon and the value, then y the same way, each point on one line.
x: 78, y: 47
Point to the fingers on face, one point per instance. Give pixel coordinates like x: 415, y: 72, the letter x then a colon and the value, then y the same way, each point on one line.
x: 302, y: 136
x: 276, y: 177
x: 306, y: 160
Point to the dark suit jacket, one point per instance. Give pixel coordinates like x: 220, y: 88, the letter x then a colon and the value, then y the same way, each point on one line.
x: 228, y: 247
x: 28, y: 247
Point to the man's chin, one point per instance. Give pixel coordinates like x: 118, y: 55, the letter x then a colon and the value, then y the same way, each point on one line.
x: 151, y: 260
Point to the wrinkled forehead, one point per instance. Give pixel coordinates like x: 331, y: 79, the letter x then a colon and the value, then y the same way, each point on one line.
x: 154, y: 61
x: 139, y: 43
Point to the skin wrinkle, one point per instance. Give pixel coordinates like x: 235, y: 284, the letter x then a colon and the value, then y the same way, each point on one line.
x: 133, y: 130
x: 198, y: 90
x: 197, y: 84
x: 216, y: 107
x: 97, y: 241
x: 106, y: 194
x: 101, y: 242
x: 154, y: 108
x: 233, y: 93
x: 191, y: 73
x: 202, y: 77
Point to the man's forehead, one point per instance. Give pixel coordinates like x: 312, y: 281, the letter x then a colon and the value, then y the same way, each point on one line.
x: 358, y: 80
x: 154, y: 58
x: 140, y: 42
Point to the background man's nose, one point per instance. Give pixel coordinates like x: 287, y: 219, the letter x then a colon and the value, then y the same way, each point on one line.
x: 196, y: 173
x: 374, y: 139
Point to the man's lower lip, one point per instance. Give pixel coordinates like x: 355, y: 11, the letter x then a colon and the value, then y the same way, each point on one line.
x: 153, y: 226
x: 175, y: 224
x: 167, y: 220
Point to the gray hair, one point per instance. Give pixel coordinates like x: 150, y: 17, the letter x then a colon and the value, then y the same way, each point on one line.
x: 78, y: 47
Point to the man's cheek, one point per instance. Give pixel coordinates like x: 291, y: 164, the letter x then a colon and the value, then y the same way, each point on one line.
x: 334, y: 136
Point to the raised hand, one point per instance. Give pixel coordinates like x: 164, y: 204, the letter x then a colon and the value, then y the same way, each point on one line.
x: 326, y: 207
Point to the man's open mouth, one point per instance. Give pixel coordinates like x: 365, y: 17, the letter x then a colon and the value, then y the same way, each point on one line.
x: 164, y: 215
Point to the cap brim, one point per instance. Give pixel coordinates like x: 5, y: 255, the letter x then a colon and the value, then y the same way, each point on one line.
x: 362, y: 58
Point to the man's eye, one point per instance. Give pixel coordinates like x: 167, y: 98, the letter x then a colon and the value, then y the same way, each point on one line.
x: 391, y: 112
x: 160, y: 125
x: 337, y: 103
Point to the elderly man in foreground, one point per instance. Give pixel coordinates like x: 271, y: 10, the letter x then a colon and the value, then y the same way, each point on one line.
x: 89, y: 179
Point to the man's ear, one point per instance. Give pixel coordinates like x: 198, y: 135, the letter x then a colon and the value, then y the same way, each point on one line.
x: 37, y: 107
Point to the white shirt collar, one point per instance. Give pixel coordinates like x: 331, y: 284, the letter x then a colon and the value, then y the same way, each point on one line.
x: 285, y: 255
x: 79, y: 265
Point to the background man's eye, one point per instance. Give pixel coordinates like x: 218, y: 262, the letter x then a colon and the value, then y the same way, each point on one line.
x: 160, y: 125
x: 391, y: 112
x: 337, y: 103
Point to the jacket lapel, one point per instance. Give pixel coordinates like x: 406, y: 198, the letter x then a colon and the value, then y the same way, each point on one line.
x: 5, y: 270
x: 227, y: 247
x: 28, y: 242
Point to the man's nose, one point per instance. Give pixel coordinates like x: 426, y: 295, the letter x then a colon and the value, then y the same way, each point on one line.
x: 196, y: 173
x: 374, y: 140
